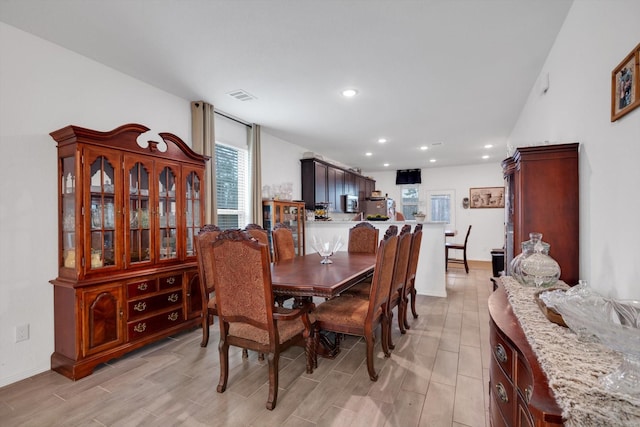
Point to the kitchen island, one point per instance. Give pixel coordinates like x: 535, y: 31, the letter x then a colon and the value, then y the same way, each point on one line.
x: 430, y: 275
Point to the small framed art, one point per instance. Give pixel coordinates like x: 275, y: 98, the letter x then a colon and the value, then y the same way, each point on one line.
x: 487, y: 197
x: 625, y: 86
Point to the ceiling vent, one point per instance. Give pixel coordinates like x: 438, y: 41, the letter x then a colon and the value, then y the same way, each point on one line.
x: 241, y: 95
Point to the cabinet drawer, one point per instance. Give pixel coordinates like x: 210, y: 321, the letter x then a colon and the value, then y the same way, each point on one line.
x: 523, y: 418
x: 502, y: 392
x: 145, y: 306
x: 143, y: 327
x: 143, y: 287
x: 523, y: 380
x: 502, y: 353
x: 168, y: 282
x: 497, y: 420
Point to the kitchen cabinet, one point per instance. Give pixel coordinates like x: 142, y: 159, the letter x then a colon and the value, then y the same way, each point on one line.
x: 323, y: 182
x: 289, y: 213
x: 542, y: 195
x: 129, y: 209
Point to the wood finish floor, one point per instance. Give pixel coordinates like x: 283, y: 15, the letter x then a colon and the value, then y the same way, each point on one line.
x: 436, y: 376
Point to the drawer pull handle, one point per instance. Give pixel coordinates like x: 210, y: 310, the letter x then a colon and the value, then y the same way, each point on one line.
x: 171, y: 280
x: 173, y: 298
x: 528, y: 393
x: 140, y: 327
x: 501, y: 354
x: 143, y: 286
x: 173, y: 316
x: 502, y: 393
x: 141, y: 306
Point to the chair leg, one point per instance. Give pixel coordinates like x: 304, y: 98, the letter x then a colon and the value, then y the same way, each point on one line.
x: 414, y: 294
x: 446, y: 259
x: 385, y: 331
x: 389, y: 338
x: 402, y: 314
x: 223, y: 349
x: 206, y: 318
x: 309, y: 350
x: 466, y: 266
x: 273, y: 380
x: 373, y: 376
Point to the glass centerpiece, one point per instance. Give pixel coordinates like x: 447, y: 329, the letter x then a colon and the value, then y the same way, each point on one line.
x: 326, y: 248
x: 533, y: 266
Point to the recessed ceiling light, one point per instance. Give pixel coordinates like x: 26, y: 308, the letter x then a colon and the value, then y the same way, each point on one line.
x: 382, y: 140
x: 349, y: 93
x: 369, y: 153
x: 486, y: 156
x: 386, y: 165
x: 432, y: 160
x: 424, y: 147
x: 488, y: 146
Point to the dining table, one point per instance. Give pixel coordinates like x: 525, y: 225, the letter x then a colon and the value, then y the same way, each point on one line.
x: 304, y: 277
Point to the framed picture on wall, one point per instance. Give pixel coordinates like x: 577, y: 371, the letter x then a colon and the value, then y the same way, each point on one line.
x: 625, y: 87
x: 486, y: 197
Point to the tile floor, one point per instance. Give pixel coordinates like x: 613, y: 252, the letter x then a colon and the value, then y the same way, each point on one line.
x: 436, y: 376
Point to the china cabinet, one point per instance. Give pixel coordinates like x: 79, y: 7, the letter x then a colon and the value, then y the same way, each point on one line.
x: 541, y: 195
x: 289, y: 213
x: 129, y: 208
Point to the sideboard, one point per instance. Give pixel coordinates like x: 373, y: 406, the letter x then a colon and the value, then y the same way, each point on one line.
x: 518, y: 388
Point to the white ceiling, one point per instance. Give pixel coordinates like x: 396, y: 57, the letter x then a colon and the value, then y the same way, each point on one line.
x: 455, y: 72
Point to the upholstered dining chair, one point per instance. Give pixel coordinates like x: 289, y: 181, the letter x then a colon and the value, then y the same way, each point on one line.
x: 410, y: 282
x: 283, y: 245
x: 396, y: 294
x: 363, y: 238
x: 457, y: 246
x: 247, y: 315
x: 259, y: 233
x: 205, y: 237
x: 360, y: 316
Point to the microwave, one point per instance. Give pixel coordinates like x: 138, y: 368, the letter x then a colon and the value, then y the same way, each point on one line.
x: 350, y: 204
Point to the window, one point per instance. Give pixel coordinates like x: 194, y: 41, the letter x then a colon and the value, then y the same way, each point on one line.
x: 410, y: 200
x: 232, y: 165
x: 440, y: 206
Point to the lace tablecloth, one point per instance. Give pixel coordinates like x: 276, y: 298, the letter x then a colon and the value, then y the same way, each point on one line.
x: 572, y: 367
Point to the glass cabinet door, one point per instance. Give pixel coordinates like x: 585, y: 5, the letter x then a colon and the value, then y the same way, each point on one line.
x: 167, y: 213
x: 137, y: 212
x: 192, y: 210
x: 100, y: 211
x: 68, y: 215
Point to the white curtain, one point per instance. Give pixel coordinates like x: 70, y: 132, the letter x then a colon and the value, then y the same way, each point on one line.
x: 255, y: 170
x: 203, y: 137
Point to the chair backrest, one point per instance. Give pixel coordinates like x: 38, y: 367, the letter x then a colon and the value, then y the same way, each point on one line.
x: 204, y: 240
x: 466, y: 238
x: 283, y: 246
x: 260, y: 234
x: 242, y: 279
x: 363, y: 238
x: 416, y: 240
x: 383, y: 271
x: 402, y: 262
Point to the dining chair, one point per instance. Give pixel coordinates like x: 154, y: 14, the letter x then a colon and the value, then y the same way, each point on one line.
x: 260, y: 234
x: 396, y: 295
x: 205, y: 237
x: 247, y: 314
x: 360, y: 316
x: 363, y: 238
x: 283, y: 245
x: 400, y: 216
x: 410, y: 282
x: 457, y: 246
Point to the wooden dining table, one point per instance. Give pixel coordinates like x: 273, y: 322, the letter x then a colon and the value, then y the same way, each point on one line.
x: 304, y: 276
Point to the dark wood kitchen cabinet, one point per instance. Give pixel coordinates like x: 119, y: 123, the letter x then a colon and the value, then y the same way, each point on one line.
x: 129, y: 207
x: 542, y: 195
x: 323, y: 182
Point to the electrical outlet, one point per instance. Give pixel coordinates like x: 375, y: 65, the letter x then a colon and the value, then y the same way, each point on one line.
x: 22, y: 332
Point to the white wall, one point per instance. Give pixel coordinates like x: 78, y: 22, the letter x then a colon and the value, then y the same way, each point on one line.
x: 487, y: 230
x: 281, y: 163
x: 595, y: 37
x: 45, y: 88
